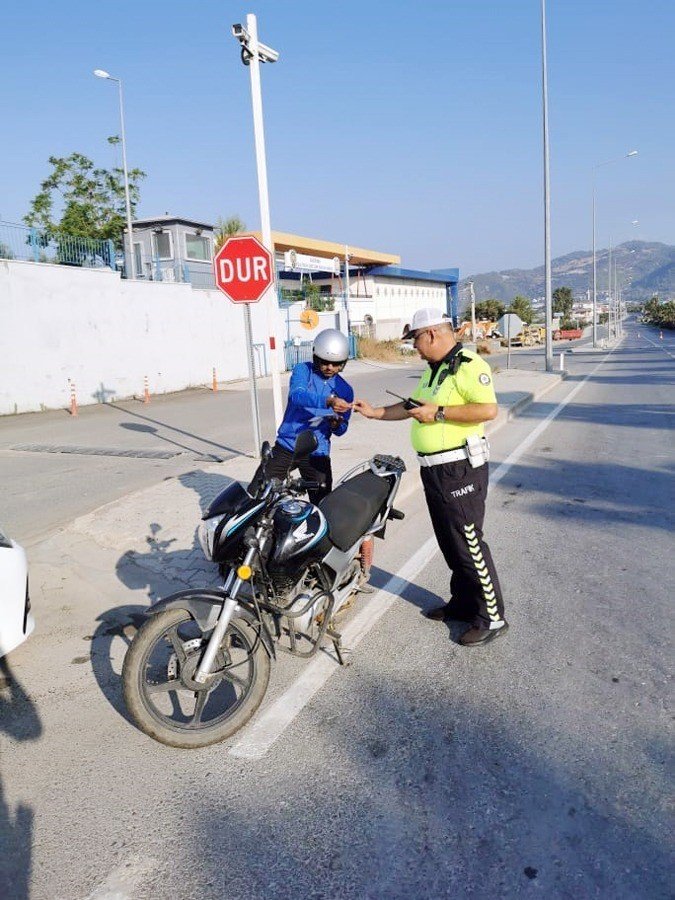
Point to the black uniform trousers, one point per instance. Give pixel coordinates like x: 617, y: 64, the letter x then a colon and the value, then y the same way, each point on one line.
x: 455, y: 494
x: 313, y: 468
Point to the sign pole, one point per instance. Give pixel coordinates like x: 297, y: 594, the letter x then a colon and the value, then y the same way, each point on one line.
x: 255, y: 408
x: 243, y: 270
x: 265, y: 226
x: 508, y: 347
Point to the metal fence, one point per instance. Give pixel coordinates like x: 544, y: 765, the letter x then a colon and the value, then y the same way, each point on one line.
x: 35, y: 245
x: 301, y: 351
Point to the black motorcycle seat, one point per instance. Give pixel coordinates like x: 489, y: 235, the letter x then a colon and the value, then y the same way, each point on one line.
x: 352, y: 507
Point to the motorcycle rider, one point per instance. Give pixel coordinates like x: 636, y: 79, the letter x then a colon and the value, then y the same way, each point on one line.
x: 320, y: 399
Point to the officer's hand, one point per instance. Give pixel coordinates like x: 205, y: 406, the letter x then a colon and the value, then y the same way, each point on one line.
x: 338, y: 405
x: 363, y: 407
x: 424, y: 414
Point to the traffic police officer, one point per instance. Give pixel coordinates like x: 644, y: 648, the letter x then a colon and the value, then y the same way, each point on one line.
x: 454, y: 397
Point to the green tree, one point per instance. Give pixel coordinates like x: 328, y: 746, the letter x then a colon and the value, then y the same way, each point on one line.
x: 490, y: 309
x: 660, y: 314
x: 226, y: 228
x: 563, y: 301
x: 91, y: 200
x: 522, y: 307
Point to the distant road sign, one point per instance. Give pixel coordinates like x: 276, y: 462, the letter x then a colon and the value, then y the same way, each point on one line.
x: 510, y: 325
x: 243, y: 269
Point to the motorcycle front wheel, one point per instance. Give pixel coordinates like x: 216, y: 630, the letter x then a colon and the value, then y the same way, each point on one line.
x: 164, y: 700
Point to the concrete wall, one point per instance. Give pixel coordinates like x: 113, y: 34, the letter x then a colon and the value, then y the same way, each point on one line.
x: 106, y: 334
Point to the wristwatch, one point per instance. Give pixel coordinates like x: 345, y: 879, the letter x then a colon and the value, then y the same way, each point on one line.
x: 440, y: 414
x: 331, y: 396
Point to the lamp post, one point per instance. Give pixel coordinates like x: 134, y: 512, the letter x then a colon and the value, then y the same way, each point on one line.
x: 595, y: 274
x: 131, y: 267
x: 253, y: 52
x: 548, y: 313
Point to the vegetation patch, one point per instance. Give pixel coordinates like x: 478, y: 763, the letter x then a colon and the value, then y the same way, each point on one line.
x: 384, y: 351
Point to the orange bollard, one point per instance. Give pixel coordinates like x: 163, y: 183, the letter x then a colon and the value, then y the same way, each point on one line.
x: 146, y: 390
x: 73, y: 399
x: 214, y: 385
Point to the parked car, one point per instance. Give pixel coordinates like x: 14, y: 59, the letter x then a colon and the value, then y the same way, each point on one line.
x: 16, y: 619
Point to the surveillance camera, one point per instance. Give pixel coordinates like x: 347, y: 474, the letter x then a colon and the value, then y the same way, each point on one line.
x: 267, y: 54
x: 240, y: 33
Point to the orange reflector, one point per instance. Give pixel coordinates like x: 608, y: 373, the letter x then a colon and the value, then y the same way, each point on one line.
x: 244, y: 572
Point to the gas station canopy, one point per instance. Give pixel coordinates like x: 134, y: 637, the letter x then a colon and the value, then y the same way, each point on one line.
x: 312, y: 247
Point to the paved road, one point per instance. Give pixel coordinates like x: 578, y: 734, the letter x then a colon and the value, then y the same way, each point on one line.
x: 536, y: 765
x: 70, y: 466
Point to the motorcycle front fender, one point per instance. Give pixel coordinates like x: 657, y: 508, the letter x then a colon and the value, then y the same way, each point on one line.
x: 205, y: 605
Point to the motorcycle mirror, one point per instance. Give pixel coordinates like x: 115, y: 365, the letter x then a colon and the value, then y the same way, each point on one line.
x: 305, y: 444
x: 265, y: 451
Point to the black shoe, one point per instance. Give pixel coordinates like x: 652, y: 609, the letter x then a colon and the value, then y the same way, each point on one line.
x: 478, y: 637
x: 448, y: 612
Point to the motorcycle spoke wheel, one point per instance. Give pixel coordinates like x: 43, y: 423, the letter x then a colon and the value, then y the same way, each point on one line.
x: 165, y: 701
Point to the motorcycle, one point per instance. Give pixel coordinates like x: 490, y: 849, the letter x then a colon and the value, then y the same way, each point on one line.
x: 199, y: 667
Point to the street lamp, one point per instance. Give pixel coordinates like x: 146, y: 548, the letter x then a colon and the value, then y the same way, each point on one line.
x: 131, y: 268
x: 548, y: 313
x: 253, y: 52
x: 595, y: 277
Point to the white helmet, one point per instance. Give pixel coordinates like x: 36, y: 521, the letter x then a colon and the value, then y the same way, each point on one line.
x: 331, y: 345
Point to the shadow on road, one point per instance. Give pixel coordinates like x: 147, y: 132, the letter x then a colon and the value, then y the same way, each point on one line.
x: 231, y: 450
x: 20, y: 721
x: 434, y: 796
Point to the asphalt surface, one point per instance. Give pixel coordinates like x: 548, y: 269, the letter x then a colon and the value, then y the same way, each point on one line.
x: 536, y: 765
x: 56, y: 467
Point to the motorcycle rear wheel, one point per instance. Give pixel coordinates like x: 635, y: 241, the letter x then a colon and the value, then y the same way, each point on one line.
x: 160, y: 693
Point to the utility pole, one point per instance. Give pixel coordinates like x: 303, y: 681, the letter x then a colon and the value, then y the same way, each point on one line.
x: 547, y: 198
x: 252, y: 51
x: 473, y: 312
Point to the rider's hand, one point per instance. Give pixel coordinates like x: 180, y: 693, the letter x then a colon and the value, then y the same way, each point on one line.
x: 425, y: 413
x: 338, y: 405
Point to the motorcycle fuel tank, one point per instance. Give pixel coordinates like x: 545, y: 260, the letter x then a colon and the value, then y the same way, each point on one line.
x: 301, y: 535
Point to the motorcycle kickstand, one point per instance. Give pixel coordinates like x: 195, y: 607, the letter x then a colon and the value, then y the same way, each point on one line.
x: 336, y: 638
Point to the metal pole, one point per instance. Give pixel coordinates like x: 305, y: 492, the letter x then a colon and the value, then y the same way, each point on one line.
x: 265, y: 226
x: 473, y: 312
x: 255, y: 413
x: 595, y: 277
x: 132, y: 262
x: 347, y: 286
x: 547, y: 198
x: 609, y: 293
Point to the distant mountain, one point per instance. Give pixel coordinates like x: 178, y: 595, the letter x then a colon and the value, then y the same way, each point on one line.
x: 643, y: 269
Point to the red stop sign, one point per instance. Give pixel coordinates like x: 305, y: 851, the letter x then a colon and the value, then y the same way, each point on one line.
x: 243, y: 269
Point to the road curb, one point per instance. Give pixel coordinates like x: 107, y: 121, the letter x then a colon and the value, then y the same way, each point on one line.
x: 506, y: 415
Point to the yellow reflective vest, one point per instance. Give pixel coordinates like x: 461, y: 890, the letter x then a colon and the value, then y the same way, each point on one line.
x: 471, y: 383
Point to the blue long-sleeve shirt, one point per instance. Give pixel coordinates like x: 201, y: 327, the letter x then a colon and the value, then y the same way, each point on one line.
x: 307, y: 394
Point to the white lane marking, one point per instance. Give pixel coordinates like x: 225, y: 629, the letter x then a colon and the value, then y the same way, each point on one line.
x: 267, y: 727
x: 122, y: 882
x: 258, y: 737
x: 527, y: 442
x: 660, y: 347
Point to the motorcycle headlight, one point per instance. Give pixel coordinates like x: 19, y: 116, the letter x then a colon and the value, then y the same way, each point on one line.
x: 207, y: 534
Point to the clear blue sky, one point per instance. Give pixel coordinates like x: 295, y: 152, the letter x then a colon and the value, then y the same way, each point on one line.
x: 408, y: 127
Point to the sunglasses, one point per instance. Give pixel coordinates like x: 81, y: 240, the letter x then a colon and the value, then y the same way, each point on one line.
x: 330, y: 362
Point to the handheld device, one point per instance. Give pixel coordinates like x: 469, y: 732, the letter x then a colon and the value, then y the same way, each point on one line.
x: 408, y: 402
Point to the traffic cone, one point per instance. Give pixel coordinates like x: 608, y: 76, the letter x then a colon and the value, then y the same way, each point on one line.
x: 73, y: 399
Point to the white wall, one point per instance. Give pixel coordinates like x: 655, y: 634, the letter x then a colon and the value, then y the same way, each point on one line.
x: 107, y: 334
